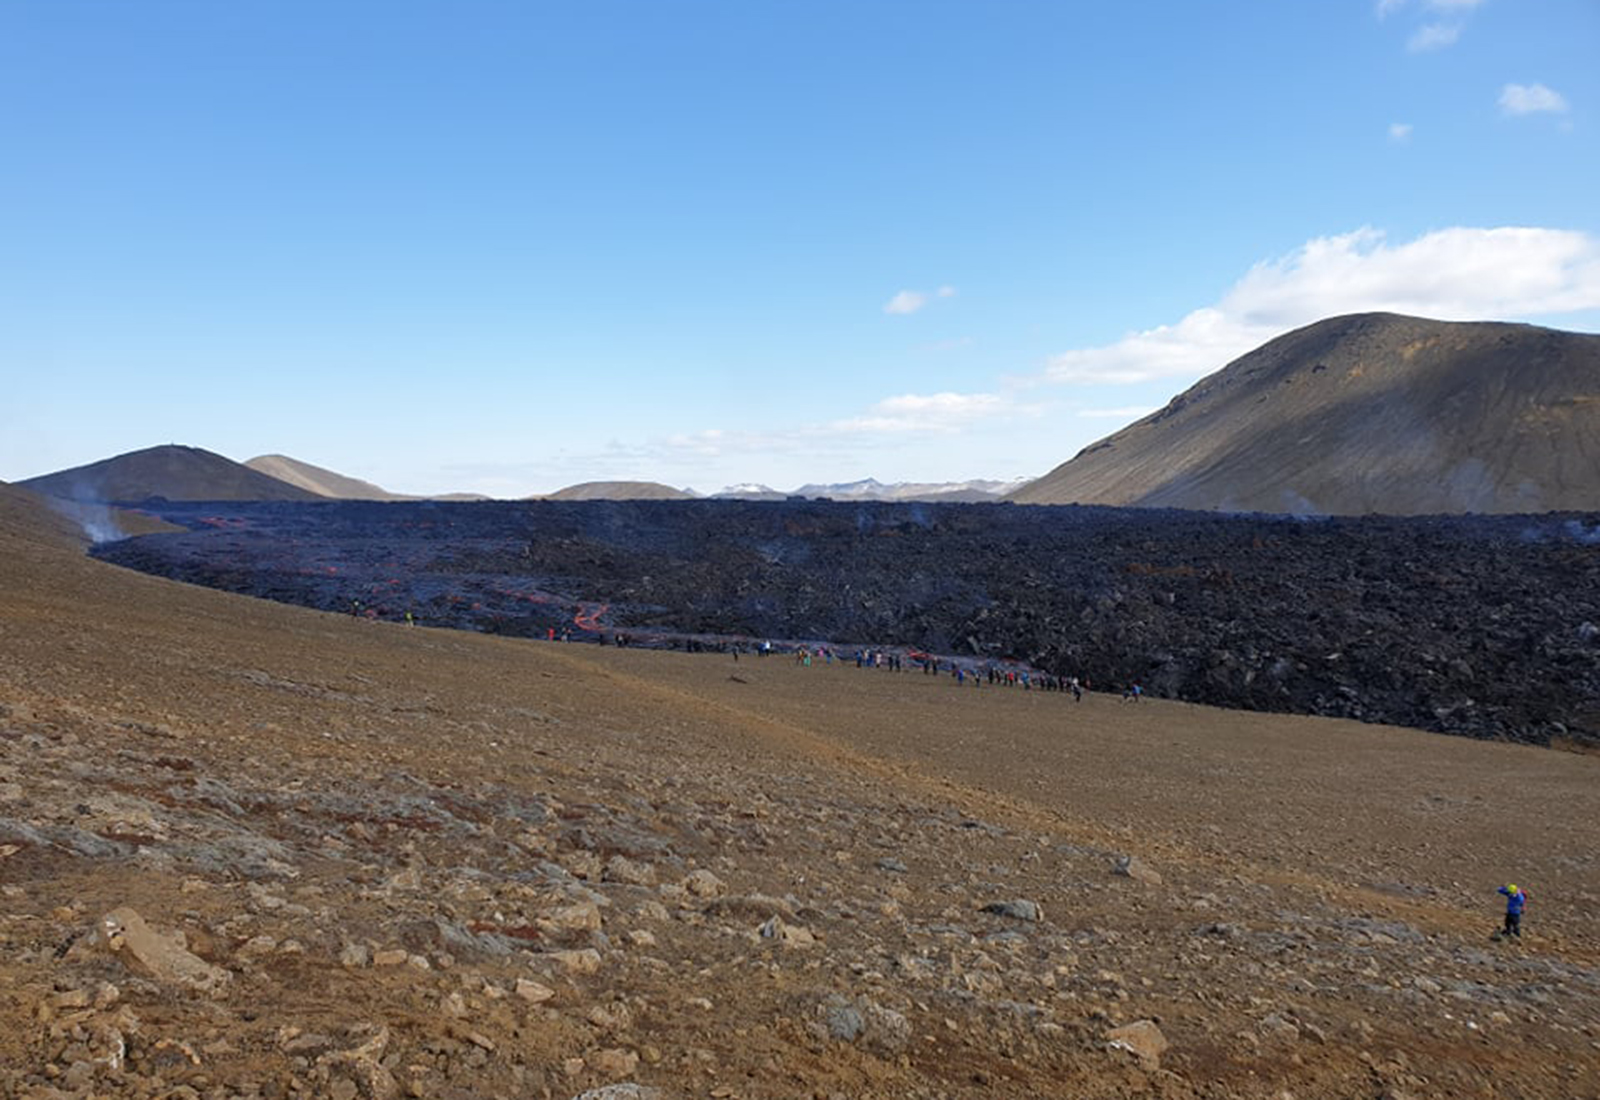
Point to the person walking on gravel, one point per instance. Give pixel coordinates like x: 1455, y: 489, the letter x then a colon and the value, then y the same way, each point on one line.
x: 1516, y: 902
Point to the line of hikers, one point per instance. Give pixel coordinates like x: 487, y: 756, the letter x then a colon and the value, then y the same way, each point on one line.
x: 929, y: 665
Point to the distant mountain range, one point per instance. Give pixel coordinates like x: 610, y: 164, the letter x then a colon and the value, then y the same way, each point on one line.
x: 327, y: 483
x: 1368, y: 413
x: 189, y: 473
x: 171, y: 471
x: 954, y: 492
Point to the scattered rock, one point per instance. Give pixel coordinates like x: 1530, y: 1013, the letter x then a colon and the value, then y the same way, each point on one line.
x: 534, y: 992
x: 582, y: 917
x: 1143, y: 1038
x: 613, y: 1062
x: 704, y: 884
x: 585, y: 960
x: 1019, y: 909
x: 620, y: 868
x: 883, y: 1031
x: 624, y: 1091
x: 364, y: 1064
x: 165, y: 958
x: 1132, y: 867
x: 790, y: 935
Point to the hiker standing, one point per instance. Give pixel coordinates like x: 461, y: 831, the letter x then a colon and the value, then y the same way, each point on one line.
x: 1516, y: 902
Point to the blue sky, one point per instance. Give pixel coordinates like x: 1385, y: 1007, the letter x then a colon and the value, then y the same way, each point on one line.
x: 508, y: 246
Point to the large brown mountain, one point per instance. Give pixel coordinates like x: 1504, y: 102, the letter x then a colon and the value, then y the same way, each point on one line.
x: 318, y: 480
x: 171, y: 471
x: 1365, y: 413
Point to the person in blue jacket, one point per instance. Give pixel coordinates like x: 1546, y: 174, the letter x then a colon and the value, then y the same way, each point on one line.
x: 1516, y: 902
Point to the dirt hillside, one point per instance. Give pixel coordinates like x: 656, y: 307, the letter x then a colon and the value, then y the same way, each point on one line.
x: 250, y: 850
x: 170, y: 471
x: 318, y: 480
x: 1367, y: 413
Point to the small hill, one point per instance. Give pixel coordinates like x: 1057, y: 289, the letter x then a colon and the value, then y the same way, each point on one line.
x: 317, y: 480
x: 1367, y: 413
x: 171, y: 471
x: 618, y: 490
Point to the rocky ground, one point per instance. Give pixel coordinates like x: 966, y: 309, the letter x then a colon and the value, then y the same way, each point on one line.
x: 256, y: 850
x: 1487, y: 626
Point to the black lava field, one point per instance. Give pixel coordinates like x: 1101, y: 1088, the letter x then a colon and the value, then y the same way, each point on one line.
x: 1474, y: 625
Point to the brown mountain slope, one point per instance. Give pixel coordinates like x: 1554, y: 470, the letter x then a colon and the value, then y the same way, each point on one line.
x: 441, y: 864
x: 1365, y: 413
x: 172, y: 471
x: 317, y: 480
x: 618, y: 490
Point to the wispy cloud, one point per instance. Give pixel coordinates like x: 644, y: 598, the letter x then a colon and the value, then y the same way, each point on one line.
x: 1450, y: 274
x: 1399, y: 132
x: 1529, y: 99
x: 910, y: 301
x: 1444, y: 22
x: 907, y: 301
x: 933, y: 412
x: 1433, y: 36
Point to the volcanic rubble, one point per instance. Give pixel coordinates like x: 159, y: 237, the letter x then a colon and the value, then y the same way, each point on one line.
x: 1476, y: 625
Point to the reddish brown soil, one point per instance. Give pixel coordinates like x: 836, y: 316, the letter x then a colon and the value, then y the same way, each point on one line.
x: 284, y: 786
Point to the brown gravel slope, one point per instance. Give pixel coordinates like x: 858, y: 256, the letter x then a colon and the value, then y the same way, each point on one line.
x: 434, y: 864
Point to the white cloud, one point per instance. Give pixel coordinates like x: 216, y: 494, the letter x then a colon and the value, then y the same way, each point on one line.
x: 1433, y: 36
x: 907, y: 301
x: 933, y: 412
x: 1527, y: 99
x: 1400, y: 132
x: 1450, y: 274
x: 1202, y: 341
